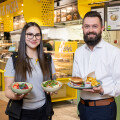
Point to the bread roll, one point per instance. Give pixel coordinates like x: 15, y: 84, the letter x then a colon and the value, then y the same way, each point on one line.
x: 76, y: 80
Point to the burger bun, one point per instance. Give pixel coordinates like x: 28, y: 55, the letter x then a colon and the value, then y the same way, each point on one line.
x: 76, y: 80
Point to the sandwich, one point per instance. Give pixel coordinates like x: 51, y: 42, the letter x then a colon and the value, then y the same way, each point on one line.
x: 76, y: 81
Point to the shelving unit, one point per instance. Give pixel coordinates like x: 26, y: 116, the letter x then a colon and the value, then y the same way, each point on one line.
x: 63, y: 65
x: 4, y: 55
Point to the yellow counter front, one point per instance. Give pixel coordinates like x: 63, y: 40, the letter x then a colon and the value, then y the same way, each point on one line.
x: 2, y: 83
x: 65, y: 93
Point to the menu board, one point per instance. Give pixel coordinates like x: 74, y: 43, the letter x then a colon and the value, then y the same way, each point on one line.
x: 101, y: 11
x: 113, y: 18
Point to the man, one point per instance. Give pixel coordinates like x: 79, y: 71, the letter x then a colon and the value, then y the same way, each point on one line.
x: 103, y: 58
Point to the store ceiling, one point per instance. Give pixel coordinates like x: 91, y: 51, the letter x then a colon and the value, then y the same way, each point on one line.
x: 6, y: 0
x: 56, y: 0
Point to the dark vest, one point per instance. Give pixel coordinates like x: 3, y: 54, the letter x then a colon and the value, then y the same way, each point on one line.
x: 14, y: 107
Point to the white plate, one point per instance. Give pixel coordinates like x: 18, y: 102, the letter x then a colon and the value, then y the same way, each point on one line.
x: 83, y: 87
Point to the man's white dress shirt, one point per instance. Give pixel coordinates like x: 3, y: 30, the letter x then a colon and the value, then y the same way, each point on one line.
x: 105, y: 61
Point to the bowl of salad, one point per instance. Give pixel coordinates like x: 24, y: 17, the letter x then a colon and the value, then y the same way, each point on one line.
x: 51, y: 85
x: 21, y: 87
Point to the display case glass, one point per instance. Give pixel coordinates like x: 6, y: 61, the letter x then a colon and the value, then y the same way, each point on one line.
x: 63, y: 64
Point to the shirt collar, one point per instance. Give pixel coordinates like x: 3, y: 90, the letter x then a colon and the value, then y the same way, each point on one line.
x: 36, y: 60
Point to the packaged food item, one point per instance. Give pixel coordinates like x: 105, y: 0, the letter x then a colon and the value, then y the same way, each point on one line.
x: 75, y: 16
x: 63, y: 14
x: 55, y: 17
x: 69, y: 13
x: 58, y: 13
x: 75, y: 13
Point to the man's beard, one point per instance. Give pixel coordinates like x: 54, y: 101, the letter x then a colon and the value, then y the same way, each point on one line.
x: 92, y: 41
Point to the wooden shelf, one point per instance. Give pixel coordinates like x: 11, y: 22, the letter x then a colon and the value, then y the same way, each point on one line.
x: 6, y: 44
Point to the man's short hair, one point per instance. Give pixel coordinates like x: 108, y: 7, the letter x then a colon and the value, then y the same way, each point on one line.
x: 93, y: 14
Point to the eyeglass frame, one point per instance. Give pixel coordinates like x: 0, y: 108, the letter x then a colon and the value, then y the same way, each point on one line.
x: 33, y: 36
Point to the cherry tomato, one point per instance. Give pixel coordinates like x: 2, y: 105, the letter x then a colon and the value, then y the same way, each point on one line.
x: 25, y: 87
x: 15, y: 86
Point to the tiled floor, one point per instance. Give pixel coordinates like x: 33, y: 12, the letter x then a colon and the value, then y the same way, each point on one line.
x: 64, y: 110
x: 2, y: 96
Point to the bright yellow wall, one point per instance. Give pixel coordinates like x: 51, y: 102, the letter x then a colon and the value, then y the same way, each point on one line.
x: 84, y: 7
x: 41, y: 12
x: 8, y: 10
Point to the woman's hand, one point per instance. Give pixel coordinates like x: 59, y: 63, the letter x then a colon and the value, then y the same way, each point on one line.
x: 19, y: 97
x: 9, y: 93
x: 51, y: 93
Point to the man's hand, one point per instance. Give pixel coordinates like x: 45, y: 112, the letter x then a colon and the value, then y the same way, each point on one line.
x: 95, y: 90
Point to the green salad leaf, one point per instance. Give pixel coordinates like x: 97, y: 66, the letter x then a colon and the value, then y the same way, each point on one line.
x: 22, y: 85
x: 50, y: 83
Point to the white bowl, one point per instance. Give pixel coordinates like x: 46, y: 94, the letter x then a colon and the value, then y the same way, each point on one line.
x: 22, y: 91
x: 52, y: 89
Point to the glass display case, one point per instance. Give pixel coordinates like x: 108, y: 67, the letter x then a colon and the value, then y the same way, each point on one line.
x: 4, y: 56
x: 5, y: 53
x: 63, y: 65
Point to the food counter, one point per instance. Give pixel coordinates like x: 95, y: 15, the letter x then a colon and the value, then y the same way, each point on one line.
x: 63, y: 65
x: 4, y: 56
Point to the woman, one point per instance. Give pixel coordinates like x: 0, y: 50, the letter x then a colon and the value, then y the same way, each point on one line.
x: 31, y: 66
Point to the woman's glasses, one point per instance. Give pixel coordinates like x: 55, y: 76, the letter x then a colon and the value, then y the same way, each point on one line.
x: 31, y: 36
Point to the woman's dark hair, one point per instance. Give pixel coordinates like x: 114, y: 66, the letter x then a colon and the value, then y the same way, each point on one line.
x: 23, y: 61
x: 93, y: 14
